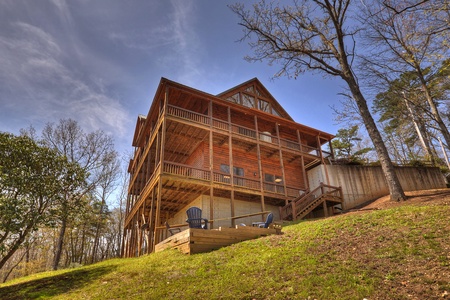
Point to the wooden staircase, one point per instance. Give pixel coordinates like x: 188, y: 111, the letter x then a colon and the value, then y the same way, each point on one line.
x: 298, y: 208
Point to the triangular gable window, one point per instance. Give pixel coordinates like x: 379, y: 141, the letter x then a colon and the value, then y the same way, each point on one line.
x: 248, y: 101
x: 234, y: 98
x: 263, y: 106
x: 276, y: 113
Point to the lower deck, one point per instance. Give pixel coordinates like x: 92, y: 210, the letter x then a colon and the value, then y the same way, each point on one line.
x: 193, y: 240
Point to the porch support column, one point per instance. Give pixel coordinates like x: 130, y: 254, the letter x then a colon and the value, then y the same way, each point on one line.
x: 305, y: 179
x: 319, y: 146
x: 325, y: 209
x: 231, y: 163
x: 283, y: 174
x: 261, y: 178
x: 211, y: 166
x: 161, y: 167
x: 151, y: 225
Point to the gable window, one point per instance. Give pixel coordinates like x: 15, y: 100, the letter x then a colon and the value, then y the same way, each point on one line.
x: 248, y: 101
x: 234, y: 98
x: 250, y: 89
x: 276, y: 113
x: 263, y: 106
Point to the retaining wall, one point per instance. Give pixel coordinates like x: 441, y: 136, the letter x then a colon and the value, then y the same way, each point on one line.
x: 361, y: 184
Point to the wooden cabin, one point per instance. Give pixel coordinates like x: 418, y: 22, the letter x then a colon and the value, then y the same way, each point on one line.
x: 237, y: 156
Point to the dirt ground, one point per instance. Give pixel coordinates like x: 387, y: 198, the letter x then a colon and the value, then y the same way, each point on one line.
x: 425, y: 197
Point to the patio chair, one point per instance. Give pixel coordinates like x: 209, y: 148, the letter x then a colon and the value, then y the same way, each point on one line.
x: 265, y: 224
x: 194, y: 218
x: 172, y: 231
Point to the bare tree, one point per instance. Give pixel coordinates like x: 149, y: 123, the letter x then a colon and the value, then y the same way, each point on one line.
x: 314, y: 35
x: 409, y: 36
x: 110, y: 171
x: 93, y: 152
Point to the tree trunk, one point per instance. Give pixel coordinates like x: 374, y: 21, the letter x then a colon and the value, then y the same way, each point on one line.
x: 395, y: 189
x: 443, y: 129
x: 60, y: 243
x: 15, y: 246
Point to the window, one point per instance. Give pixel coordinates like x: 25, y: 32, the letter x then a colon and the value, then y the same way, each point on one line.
x: 273, y: 178
x: 250, y: 89
x: 263, y: 105
x: 225, y: 169
x: 234, y: 98
x: 269, y: 177
x: 274, y: 112
x: 236, y: 170
x: 248, y: 101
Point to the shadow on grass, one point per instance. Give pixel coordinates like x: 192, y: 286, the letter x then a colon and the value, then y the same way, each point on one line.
x: 53, y: 285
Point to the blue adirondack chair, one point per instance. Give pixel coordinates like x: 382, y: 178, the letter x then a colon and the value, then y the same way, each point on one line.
x: 194, y: 218
x: 265, y: 224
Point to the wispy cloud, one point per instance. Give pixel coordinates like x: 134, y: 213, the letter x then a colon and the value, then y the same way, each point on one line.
x: 38, y: 82
x: 173, y: 44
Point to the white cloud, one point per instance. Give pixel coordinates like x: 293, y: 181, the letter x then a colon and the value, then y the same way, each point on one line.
x: 171, y: 41
x: 39, y: 85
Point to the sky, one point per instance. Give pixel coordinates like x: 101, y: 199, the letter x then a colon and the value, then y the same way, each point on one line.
x: 99, y: 62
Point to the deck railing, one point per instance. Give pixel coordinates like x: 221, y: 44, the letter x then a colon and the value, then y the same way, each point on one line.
x: 187, y: 171
x: 187, y: 115
x: 303, y: 202
x: 224, y: 178
x: 241, y: 130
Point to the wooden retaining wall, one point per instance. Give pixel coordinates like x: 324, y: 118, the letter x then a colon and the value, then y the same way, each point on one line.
x: 361, y: 184
x: 191, y: 240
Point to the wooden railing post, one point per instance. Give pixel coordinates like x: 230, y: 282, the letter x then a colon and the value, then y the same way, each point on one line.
x: 294, y: 211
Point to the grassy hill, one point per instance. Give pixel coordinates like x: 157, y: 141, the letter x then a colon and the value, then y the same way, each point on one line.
x: 395, y: 253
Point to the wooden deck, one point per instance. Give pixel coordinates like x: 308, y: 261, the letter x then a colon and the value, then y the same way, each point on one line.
x: 192, y: 240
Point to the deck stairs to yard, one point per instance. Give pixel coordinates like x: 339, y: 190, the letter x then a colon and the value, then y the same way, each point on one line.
x: 300, y: 207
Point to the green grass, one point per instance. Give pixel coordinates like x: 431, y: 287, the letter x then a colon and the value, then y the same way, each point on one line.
x: 389, y: 254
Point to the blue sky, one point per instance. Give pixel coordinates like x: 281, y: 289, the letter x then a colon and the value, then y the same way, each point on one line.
x: 99, y: 62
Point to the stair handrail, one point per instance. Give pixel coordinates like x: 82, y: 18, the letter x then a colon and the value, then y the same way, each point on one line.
x: 296, y: 206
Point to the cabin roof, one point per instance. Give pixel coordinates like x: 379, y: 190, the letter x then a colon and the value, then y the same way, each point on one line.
x: 255, y: 88
x: 282, y: 117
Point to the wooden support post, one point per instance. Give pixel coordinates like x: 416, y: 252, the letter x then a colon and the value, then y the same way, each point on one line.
x: 283, y: 174
x: 261, y: 177
x: 325, y: 209
x: 231, y: 163
x: 322, y: 160
x: 211, y: 167
x: 294, y: 211
x: 302, y: 159
x: 161, y: 169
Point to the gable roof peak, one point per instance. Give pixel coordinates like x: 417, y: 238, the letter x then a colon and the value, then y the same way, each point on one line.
x: 258, y: 90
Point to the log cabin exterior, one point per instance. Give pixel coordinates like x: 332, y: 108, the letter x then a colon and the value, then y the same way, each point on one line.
x: 236, y: 155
